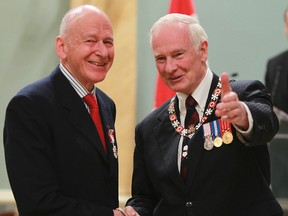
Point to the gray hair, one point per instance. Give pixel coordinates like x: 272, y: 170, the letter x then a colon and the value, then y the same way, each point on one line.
x: 198, y: 34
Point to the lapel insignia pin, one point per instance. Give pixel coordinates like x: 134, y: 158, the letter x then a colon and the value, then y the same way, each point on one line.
x: 112, y: 141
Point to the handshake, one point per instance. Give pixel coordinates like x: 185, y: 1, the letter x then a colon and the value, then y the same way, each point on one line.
x: 127, y: 211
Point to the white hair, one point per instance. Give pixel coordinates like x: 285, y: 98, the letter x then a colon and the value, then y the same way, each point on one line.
x: 198, y: 34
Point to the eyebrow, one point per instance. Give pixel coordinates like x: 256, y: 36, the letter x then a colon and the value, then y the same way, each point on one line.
x: 95, y: 36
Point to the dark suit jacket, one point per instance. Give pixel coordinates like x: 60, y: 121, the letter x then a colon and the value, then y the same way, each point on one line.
x: 276, y: 80
x: 230, y: 180
x: 55, y: 161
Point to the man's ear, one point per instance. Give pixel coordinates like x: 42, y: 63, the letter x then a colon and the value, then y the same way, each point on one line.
x: 60, y: 47
x: 204, y: 50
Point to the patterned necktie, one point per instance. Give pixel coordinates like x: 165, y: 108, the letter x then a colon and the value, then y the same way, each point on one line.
x: 191, y: 120
x: 91, y: 101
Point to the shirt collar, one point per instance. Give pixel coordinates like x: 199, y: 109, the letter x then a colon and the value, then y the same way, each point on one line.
x: 200, y: 94
x: 79, y: 88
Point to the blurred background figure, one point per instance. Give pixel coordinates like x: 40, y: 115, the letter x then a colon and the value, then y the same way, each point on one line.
x: 276, y: 79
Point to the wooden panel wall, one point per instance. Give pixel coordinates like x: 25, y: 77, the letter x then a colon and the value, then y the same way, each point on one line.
x: 120, y: 83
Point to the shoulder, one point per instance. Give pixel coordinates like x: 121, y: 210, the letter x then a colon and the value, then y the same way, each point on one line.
x: 251, y: 90
x: 105, y: 101
x: 42, y: 86
x: 36, y: 90
x: 244, y: 84
x: 280, y: 57
x: 38, y: 93
x: 103, y: 96
x: 157, y: 115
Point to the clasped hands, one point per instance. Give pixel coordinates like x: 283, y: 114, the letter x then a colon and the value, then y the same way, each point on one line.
x: 127, y: 211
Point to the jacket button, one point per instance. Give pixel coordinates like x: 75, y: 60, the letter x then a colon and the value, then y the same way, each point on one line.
x: 188, y: 204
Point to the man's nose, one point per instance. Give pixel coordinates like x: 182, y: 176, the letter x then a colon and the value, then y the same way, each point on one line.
x: 171, y: 65
x: 100, y: 49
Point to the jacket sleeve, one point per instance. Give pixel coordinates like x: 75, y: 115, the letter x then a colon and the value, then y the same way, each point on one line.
x: 258, y: 99
x: 143, y: 195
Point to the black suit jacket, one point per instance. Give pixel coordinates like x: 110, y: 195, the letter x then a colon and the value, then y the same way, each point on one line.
x: 231, y: 180
x: 276, y: 80
x: 55, y: 161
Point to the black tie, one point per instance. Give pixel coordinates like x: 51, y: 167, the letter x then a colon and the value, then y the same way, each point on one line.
x: 191, y: 120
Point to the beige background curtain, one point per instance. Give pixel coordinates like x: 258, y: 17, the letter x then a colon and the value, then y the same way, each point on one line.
x: 120, y: 83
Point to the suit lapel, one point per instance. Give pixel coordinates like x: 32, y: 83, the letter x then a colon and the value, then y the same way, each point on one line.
x: 196, y: 144
x: 108, y: 124
x: 76, y: 111
x: 168, y: 140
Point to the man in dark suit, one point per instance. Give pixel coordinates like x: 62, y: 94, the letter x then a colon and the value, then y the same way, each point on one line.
x: 59, y: 161
x: 276, y: 79
x: 216, y: 165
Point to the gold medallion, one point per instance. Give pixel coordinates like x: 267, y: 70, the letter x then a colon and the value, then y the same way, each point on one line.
x: 191, y: 128
x: 217, y: 142
x: 227, y: 137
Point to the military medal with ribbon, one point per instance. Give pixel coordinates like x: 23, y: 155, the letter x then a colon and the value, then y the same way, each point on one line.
x: 112, y: 141
x: 216, y: 133
x: 208, y: 143
x: 227, y: 136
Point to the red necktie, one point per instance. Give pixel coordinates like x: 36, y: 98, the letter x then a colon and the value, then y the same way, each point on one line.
x: 191, y: 118
x: 91, y: 101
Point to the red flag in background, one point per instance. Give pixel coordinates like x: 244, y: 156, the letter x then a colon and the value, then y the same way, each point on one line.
x: 162, y: 92
x: 182, y: 6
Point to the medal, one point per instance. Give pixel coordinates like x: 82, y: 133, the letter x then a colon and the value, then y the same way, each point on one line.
x: 227, y: 136
x: 216, y: 132
x: 208, y: 143
x: 218, y: 142
x: 115, y: 151
x: 191, y: 128
x: 112, y: 141
x: 189, y: 132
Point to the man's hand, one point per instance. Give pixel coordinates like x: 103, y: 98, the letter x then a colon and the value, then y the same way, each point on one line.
x: 231, y: 109
x: 119, y: 212
x: 127, y: 211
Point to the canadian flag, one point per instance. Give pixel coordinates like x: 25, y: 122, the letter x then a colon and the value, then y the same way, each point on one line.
x: 162, y: 92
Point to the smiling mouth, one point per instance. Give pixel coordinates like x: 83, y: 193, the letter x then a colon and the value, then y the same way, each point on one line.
x: 96, y: 63
x: 174, y: 78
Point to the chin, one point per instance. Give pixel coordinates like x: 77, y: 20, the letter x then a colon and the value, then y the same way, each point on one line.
x: 99, y: 79
x: 175, y: 88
